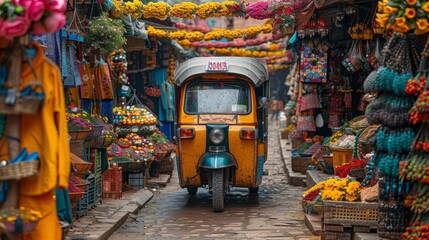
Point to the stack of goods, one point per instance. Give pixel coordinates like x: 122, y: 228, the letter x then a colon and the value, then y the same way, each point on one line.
x: 163, y: 147
x: 414, y: 169
x: 132, y: 115
x: 399, y: 60
x: 138, y: 143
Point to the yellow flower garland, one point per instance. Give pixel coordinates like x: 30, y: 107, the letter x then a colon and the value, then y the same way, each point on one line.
x: 183, y: 10
x: 156, y: 10
x: 246, y: 53
x: 216, y: 34
x: 162, y: 10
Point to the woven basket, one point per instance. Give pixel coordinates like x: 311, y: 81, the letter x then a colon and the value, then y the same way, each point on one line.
x: 159, y: 155
x: 166, y: 165
x: 82, y: 186
x: 97, y: 130
x: 74, y: 197
x: 79, y: 135
x: 19, y: 170
x: 27, y: 227
x: 28, y: 105
x: 81, y: 167
x: 358, y: 173
x: 102, y: 142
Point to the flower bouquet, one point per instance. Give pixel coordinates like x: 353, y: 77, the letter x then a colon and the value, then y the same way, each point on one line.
x: 404, y: 16
x: 20, y: 220
x: 259, y: 10
x: 105, y: 35
x: 19, y: 17
x: 284, y: 20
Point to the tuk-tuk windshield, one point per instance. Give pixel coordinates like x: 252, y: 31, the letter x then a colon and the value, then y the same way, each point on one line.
x: 206, y: 97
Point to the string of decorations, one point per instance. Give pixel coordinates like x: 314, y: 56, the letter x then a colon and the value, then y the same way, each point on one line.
x: 186, y: 10
x: 190, y: 10
x: 236, y: 43
x: 243, y: 52
x: 186, y: 38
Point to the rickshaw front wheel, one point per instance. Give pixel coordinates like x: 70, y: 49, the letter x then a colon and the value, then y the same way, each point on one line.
x: 254, y: 190
x: 192, y: 190
x: 218, y: 198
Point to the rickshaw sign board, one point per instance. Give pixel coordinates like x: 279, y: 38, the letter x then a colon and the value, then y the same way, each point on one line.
x: 217, y: 66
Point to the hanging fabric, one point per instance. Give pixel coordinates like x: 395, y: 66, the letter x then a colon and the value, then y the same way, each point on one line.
x: 102, y: 82
x: 314, y: 61
x: 87, y: 87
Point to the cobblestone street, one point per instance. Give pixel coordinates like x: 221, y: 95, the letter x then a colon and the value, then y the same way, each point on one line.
x: 274, y: 213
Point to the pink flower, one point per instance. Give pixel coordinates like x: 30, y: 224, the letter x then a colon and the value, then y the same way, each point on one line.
x: 33, y: 9
x: 58, y: 6
x: 38, y: 28
x: 14, y: 28
x: 54, y: 22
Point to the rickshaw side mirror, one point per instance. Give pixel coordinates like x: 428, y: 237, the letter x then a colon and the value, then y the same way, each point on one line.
x: 264, y: 102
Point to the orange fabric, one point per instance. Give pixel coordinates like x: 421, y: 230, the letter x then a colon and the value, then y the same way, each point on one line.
x: 47, y: 228
x: 103, y: 83
x: 87, y: 87
x: 46, y: 132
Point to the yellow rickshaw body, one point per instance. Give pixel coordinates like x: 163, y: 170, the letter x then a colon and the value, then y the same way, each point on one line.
x: 244, y: 155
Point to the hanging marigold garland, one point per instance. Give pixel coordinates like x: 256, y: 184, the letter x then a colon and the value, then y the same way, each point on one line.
x: 246, y: 53
x: 188, y: 38
x: 186, y: 10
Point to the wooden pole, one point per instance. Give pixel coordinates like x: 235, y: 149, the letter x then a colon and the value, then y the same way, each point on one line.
x: 13, y: 129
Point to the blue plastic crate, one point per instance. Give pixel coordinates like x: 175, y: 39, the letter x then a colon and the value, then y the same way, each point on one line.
x: 88, y: 200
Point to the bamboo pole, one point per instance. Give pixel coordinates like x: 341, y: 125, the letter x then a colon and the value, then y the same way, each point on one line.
x: 13, y: 126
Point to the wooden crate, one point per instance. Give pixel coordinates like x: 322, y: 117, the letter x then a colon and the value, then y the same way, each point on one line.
x: 299, y: 164
x: 341, y: 156
x: 336, y: 236
x: 112, y: 183
x: 349, y: 214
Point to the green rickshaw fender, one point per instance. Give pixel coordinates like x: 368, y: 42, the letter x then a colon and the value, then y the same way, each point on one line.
x: 214, y: 160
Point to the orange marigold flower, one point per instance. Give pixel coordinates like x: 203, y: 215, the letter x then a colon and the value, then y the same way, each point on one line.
x: 410, y: 12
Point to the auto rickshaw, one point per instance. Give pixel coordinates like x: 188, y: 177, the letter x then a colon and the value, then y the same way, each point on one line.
x: 221, y: 124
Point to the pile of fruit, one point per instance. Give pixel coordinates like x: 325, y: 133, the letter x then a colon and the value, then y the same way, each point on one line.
x: 138, y: 143
x: 132, y: 115
x: 153, y: 91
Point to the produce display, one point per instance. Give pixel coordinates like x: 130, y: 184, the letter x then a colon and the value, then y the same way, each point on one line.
x: 153, y: 91
x: 303, y: 147
x: 335, y: 137
x: 344, y: 142
x: 132, y: 115
x: 138, y: 143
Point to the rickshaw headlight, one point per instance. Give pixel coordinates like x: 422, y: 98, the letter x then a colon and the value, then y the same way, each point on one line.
x: 217, y: 135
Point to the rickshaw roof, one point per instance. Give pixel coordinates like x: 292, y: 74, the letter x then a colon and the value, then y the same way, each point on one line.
x: 254, y: 69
